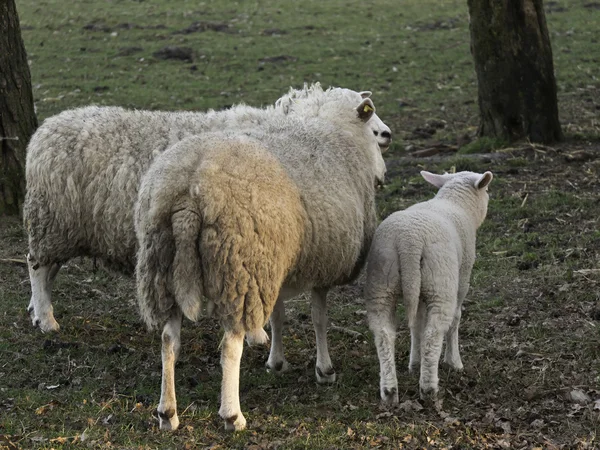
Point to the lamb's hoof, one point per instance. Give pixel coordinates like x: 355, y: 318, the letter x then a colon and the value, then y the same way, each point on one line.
x: 389, y: 396
x: 413, y: 368
x: 237, y: 422
x: 455, y: 365
x: 168, y: 420
x: 278, y: 367
x: 326, y: 376
x: 257, y: 337
x: 47, y: 325
x: 429, y: 396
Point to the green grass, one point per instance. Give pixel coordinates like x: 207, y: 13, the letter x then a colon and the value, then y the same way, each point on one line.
x: 97, y: 383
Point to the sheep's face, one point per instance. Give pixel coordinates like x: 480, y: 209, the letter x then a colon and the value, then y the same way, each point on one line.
x: 381, y: 131
x: 469, y: 188
x: 366, y: 113
x: 333, y: 105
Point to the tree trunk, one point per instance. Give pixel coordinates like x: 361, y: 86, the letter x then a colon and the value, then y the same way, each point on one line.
x: 515, y: 72
x: 17, y: 115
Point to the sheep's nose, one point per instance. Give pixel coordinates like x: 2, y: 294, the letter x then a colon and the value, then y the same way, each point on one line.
x: 386, y: 134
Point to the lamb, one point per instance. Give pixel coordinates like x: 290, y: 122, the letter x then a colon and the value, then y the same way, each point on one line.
x: 83, y: 171
x: 245, y: 218
x: 425, y: 253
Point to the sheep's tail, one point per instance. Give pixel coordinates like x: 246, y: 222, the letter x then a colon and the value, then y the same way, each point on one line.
x: 187, y: 266
x: 169, y: 268
x: 410, y: 269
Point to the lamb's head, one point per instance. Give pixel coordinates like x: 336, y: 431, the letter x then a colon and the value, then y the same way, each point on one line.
x: 348, y: 109
x: 469, y: 189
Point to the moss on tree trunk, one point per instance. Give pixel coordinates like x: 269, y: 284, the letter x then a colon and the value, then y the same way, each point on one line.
x: 515, y: 71
x: 17, y: 114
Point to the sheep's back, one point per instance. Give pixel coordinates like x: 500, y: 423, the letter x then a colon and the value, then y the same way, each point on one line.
x: 83, y: 171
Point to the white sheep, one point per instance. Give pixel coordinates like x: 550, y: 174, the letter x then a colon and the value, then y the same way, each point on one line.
x: 245, y: 218
x: 83, y: 171
x: 425, y: 254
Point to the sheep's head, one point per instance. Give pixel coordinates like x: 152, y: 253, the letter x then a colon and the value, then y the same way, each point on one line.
x: 467, y: 188
x: 342, y: 106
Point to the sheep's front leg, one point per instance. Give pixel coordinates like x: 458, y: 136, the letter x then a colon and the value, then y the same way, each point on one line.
x: 324, y: 369
x: 171, y: 344
x: 415, y: 339
x: 276, y: 362
x: 231, y: 355
x: 40, y: 307
x: 439, y: 317
x: 381, y: 311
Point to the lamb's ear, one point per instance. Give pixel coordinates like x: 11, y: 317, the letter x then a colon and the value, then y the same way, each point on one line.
x: 366, y: 109
x: 484, y: 180
x: 365, y: 94
x: 435, y: 179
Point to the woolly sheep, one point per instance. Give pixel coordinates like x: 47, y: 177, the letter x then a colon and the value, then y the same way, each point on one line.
x: 425, y: 253
x: 245, y: 218
x: 83, y: 171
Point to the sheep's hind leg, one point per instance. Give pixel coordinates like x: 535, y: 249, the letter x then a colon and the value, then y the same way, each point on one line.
x: 452, y: 353
x: 381, y: 314
x: 415, y: 339
x: 324, y: 369
x: 437, y: 324
x: 276, y: 362
x: 40, y: 306
x: 171, y: 344
x: 231, y: 355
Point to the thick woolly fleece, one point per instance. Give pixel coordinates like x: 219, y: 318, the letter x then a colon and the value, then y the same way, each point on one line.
x: 332, y: 160
x: 83, y: 172
x: 425, y: 254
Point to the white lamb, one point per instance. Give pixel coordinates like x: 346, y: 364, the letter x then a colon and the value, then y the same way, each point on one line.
x: 425, y: 254
x: 246, y: 218
x: 83, y: 171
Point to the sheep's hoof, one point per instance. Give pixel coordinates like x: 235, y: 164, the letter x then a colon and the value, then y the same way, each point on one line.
x: 326, y: 376
x: 389, y: 396
x: 168, y: 420
x: 455, y: 365
x: 237, y: 422
x: 278, y: 368
x: 46, y: 326
x: 429, y: 396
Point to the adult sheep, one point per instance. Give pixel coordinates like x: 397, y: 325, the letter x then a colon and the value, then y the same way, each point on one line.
x: 83, y: 171
x: 244, y: 218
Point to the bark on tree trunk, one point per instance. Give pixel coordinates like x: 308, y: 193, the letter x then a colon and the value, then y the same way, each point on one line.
x: 515, y: 72
x: 17, y: 114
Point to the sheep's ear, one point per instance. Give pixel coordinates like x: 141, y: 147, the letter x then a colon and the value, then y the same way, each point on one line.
x: 435, y: 179
x: 366, y: 109
x: 484, y: 180
x: 365, y: 94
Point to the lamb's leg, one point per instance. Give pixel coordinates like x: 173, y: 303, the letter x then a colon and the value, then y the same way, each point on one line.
x: 381, y: 313
x: 171, y: 343
x: 324, y: 369
x: 40, y: 307
x: 415, y: 339
x: 452, y: 353
x: 276, y: 362
x: 439, y: 318
x: 231, y: 355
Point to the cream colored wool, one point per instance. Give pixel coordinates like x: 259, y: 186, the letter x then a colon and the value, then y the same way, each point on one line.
x: 83, y: 171
x: 297, y: 213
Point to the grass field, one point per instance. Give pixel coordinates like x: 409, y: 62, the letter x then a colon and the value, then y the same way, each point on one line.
x: 530, y: 336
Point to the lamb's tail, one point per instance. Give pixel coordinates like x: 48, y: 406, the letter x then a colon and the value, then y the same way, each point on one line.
x: 410, y: 268
x: 169, y: 268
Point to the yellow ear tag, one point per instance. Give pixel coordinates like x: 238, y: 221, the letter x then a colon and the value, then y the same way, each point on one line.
x: 367, y: 108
